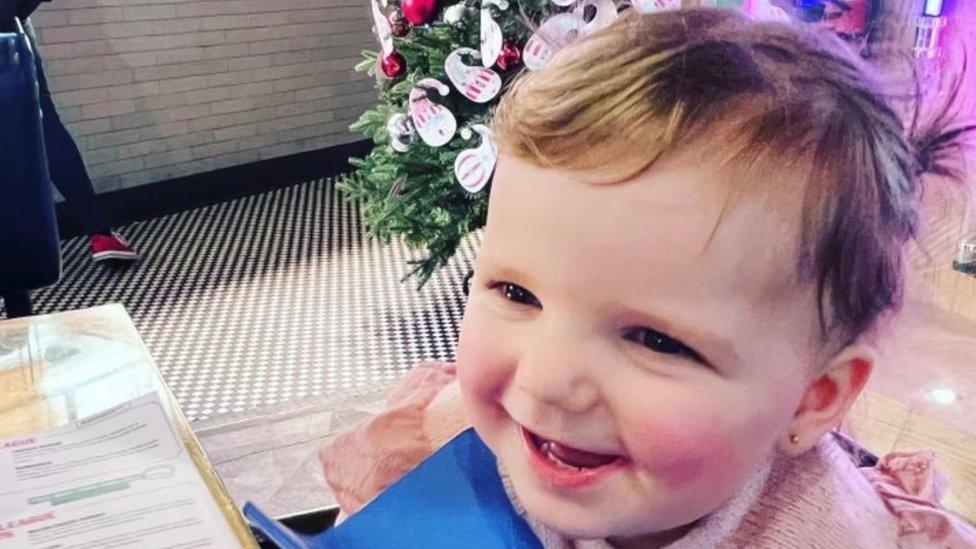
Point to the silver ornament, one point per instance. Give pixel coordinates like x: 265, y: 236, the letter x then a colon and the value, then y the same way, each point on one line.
x: 454, y: 14
x: 401, y: 131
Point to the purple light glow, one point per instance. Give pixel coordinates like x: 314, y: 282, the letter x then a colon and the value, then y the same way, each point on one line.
x: 933, y: 8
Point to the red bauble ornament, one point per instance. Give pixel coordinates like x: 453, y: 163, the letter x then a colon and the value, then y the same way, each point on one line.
x: 393, y: 65
x: 419, y: 12
x: 398, y: 25
x: 510, y: 57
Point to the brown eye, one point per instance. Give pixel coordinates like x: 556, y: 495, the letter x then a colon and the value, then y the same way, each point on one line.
x: 661, y: 343
x: 517, y: 294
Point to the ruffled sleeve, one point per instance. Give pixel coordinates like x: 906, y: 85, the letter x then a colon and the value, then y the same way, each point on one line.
x: 911, y: 489
x: 361, y: 463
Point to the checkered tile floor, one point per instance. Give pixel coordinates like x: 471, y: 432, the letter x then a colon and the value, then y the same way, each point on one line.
x: 270, y: 298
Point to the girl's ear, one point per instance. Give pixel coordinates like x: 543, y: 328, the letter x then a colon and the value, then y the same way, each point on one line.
x: 828, y: 397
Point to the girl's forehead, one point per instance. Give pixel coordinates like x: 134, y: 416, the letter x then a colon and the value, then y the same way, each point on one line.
x: 682, y: 215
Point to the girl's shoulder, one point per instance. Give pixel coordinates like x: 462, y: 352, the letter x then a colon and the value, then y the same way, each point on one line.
x: 826, y: 499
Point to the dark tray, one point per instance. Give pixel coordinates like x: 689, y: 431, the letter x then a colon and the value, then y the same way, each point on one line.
x: 307, y: 522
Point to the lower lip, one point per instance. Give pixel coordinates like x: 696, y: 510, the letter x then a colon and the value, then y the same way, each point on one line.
x: 561, y: 477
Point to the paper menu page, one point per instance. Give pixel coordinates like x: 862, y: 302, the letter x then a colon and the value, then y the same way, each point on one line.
x: 119, y: 478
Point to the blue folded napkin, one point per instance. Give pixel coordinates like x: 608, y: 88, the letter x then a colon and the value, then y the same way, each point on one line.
x: 454, y: 498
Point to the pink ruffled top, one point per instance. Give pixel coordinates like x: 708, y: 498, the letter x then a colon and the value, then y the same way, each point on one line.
x: 820, y: 499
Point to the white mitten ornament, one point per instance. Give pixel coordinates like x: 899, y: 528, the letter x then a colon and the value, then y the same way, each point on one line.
x: 478, y: 84
x: 649, y: 6
x: 383, y: 30
x: 553, y: 35
x: 606, y: 13
x: 491, y: 33
x: 435, y: 123
x: 473, y: 167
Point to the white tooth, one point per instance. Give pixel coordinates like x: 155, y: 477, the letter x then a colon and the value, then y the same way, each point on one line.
x: 553, y: 458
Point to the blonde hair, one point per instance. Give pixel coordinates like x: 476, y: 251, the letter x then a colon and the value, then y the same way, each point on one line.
x: 764, y: 94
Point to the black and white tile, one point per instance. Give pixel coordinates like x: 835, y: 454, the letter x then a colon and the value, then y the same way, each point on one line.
x: 270, y: 298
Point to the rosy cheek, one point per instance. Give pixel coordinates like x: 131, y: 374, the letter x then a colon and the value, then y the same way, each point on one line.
x: 681, y: 451
x: 481, y: 364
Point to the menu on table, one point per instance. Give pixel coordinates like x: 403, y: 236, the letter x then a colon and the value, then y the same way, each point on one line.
x: 119, y: 478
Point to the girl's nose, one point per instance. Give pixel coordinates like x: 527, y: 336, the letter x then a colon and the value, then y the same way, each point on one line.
x: 553, y: 371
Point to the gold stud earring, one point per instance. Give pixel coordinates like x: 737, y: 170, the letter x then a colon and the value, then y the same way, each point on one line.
x: 794, y: 438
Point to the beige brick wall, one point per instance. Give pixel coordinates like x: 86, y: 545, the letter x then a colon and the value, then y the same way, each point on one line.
x: 156, y: 89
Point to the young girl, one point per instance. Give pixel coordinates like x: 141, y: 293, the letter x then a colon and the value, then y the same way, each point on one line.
x: 695, y: 231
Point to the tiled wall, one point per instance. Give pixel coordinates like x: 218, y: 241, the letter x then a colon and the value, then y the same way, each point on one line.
x: 156, y: 89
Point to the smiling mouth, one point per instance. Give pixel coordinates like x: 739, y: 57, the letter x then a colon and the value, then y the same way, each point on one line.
x: 566, y: 466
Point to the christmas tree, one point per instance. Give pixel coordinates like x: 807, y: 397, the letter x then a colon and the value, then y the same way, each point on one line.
x: 440, y: 72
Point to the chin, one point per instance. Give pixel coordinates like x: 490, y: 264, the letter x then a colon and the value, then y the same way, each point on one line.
x: 596, y: 523
x: 599, y: 516
x: 568, y: 520
x: 584, y: 524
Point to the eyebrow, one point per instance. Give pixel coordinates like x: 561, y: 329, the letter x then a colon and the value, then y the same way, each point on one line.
x: 506, y: 272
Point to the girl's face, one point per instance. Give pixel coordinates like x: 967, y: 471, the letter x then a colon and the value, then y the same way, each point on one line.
x: 629, y: 360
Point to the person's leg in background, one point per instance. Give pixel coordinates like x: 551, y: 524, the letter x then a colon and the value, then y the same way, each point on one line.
x: 18, y: 304
x: 69, y: 175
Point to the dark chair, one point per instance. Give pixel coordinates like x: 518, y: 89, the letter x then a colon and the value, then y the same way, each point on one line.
x: 309, y: 523
x: 30, y: 255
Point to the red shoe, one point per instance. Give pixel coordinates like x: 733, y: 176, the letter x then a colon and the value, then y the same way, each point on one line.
x: 111, y: 246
